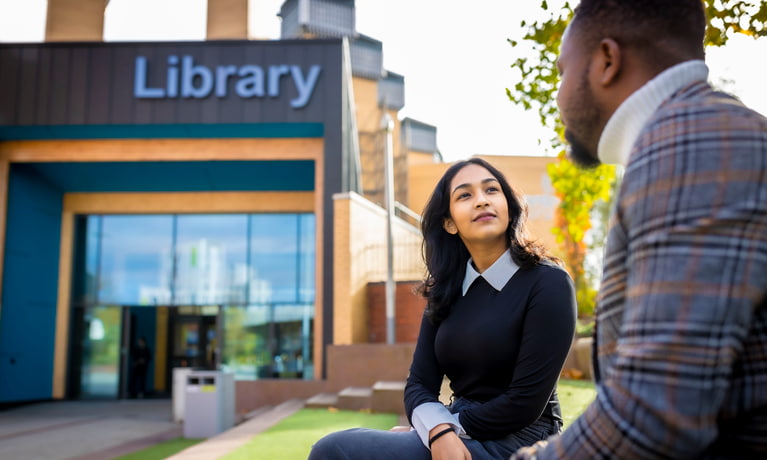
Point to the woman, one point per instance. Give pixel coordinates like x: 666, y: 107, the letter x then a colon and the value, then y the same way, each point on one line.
x: 499, y: 322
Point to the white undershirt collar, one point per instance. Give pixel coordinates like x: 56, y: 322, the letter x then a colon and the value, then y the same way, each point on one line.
x: 624, y: 126
x: 497, y: 275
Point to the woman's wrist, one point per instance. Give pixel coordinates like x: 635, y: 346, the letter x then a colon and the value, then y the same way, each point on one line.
x: 439, y: 431
x: 437, y: 428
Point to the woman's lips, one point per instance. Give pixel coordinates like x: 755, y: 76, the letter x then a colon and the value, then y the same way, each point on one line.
x: 484, y: 217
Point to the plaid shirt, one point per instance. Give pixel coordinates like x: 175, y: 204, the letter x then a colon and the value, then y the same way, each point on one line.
x: 681, y: 336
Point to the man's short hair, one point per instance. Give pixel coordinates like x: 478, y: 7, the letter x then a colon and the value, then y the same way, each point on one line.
x: 656, y: 28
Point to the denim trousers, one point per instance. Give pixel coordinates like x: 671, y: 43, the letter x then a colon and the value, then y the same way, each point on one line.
x: 369, y: 444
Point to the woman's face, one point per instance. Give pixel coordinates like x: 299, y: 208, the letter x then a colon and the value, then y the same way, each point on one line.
x: 479, y: 213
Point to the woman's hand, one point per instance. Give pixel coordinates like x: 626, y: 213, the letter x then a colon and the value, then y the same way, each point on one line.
x: 400, y: 428
x: 448, y: 446
x: 529, y: 453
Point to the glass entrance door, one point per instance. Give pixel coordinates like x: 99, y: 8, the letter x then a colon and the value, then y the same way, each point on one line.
x: 102, y: 352
x: 194, y: 337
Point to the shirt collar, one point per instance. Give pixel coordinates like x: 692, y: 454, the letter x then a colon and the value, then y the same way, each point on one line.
x: 625, y: 124
x: 497, y: 275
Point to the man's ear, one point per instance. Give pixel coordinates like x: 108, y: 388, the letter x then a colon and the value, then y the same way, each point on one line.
x: 449, y: 226
x: 610, y: 61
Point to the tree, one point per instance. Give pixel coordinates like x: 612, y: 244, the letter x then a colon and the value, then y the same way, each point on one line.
x: 538, y: 75
x: 582, y: 191
x: 578, y: 192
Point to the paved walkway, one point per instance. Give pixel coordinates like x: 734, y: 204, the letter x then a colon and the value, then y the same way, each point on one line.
x: 231, y: 440
x: 103, y: 430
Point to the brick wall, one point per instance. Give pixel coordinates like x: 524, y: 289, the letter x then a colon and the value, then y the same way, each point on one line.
x: 360, y: 257
x: 408, y: 310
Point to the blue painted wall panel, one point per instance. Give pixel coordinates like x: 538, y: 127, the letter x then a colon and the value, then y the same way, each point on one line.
x: 30, y: 280
x: 177, y: 176
x: 166, y: 131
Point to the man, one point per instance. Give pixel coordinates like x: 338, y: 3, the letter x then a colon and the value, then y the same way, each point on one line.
x: 680, y: 350
x: 141, y: 357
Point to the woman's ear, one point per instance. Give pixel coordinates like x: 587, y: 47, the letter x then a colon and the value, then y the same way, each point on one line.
x: 449, y: 226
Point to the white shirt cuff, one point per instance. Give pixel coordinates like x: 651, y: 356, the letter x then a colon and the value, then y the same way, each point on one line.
x: 428, y: 415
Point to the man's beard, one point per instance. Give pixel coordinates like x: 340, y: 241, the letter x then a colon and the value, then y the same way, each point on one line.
x: 583, y: 122
x: 580, y: 154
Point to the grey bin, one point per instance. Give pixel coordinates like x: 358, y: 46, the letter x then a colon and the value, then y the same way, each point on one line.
x: 179, y: 392
x: 208, y: 403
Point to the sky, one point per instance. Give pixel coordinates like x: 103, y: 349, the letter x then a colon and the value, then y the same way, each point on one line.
x: 454, y: 56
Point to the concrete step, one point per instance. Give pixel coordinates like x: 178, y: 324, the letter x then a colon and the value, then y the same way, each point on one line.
x: 388, y: 396
x: 355, y: 398
x: 322, y: 401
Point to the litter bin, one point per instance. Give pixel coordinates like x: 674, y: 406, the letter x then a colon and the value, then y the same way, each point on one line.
x: 179, y: 391
x: 208, y: 403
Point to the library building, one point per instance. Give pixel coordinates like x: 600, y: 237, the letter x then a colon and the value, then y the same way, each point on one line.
x: 219, y: 204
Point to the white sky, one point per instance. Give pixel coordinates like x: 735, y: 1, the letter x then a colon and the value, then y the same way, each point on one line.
x: 454, y: 57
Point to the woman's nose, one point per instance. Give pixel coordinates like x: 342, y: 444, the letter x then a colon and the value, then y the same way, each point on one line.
x: 481, y: 200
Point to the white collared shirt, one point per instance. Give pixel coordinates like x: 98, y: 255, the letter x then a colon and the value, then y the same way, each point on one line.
x: 428, y: 415
x: 497, y: 275
x: 632, y: 115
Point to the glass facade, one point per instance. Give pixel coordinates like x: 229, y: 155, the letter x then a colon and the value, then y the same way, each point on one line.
x: 132, y: 259
x: 240, y: 289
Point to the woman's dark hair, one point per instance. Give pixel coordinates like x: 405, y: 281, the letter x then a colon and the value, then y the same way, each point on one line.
x: 445, y: 254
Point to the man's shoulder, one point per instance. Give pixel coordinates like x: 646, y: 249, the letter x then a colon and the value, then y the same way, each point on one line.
x: 699, y: 101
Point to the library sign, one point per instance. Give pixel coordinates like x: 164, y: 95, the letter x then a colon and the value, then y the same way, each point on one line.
x: 184, y: 78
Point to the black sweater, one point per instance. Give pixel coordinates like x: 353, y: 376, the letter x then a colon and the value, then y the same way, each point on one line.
x: 504, y: 349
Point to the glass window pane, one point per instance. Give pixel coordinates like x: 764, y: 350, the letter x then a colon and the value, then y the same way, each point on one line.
x: 99, y: 374
x: 291, y: 336
x: 211, y: 259
x: 93, y: 230
x: 268, y: 341
x: 85, y: 261
x: 282, y: 258
x: 135, y: 265
x: 245, y: 348
x: 306, y: 255
x: 273, y: 247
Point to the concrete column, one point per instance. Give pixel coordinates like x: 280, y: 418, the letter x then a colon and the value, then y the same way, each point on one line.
x: 75, y: 20
x: 227, y: 20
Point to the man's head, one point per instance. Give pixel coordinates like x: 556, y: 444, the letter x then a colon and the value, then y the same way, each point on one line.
x: 610, y: 49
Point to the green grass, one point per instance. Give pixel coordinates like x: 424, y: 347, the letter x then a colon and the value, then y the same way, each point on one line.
x: 574, y: 397
x: 160, y: 451
x: 292, y: 438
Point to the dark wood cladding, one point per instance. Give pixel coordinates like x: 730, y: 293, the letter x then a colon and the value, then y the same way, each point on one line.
x: 93, y: 83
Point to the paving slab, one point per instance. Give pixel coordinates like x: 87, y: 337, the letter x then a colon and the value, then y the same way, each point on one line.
x: 80, y: 430
x: 103, y: 430
x: 231, y: 440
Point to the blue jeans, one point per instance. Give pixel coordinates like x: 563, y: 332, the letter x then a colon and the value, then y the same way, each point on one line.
x: 367, y: 444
